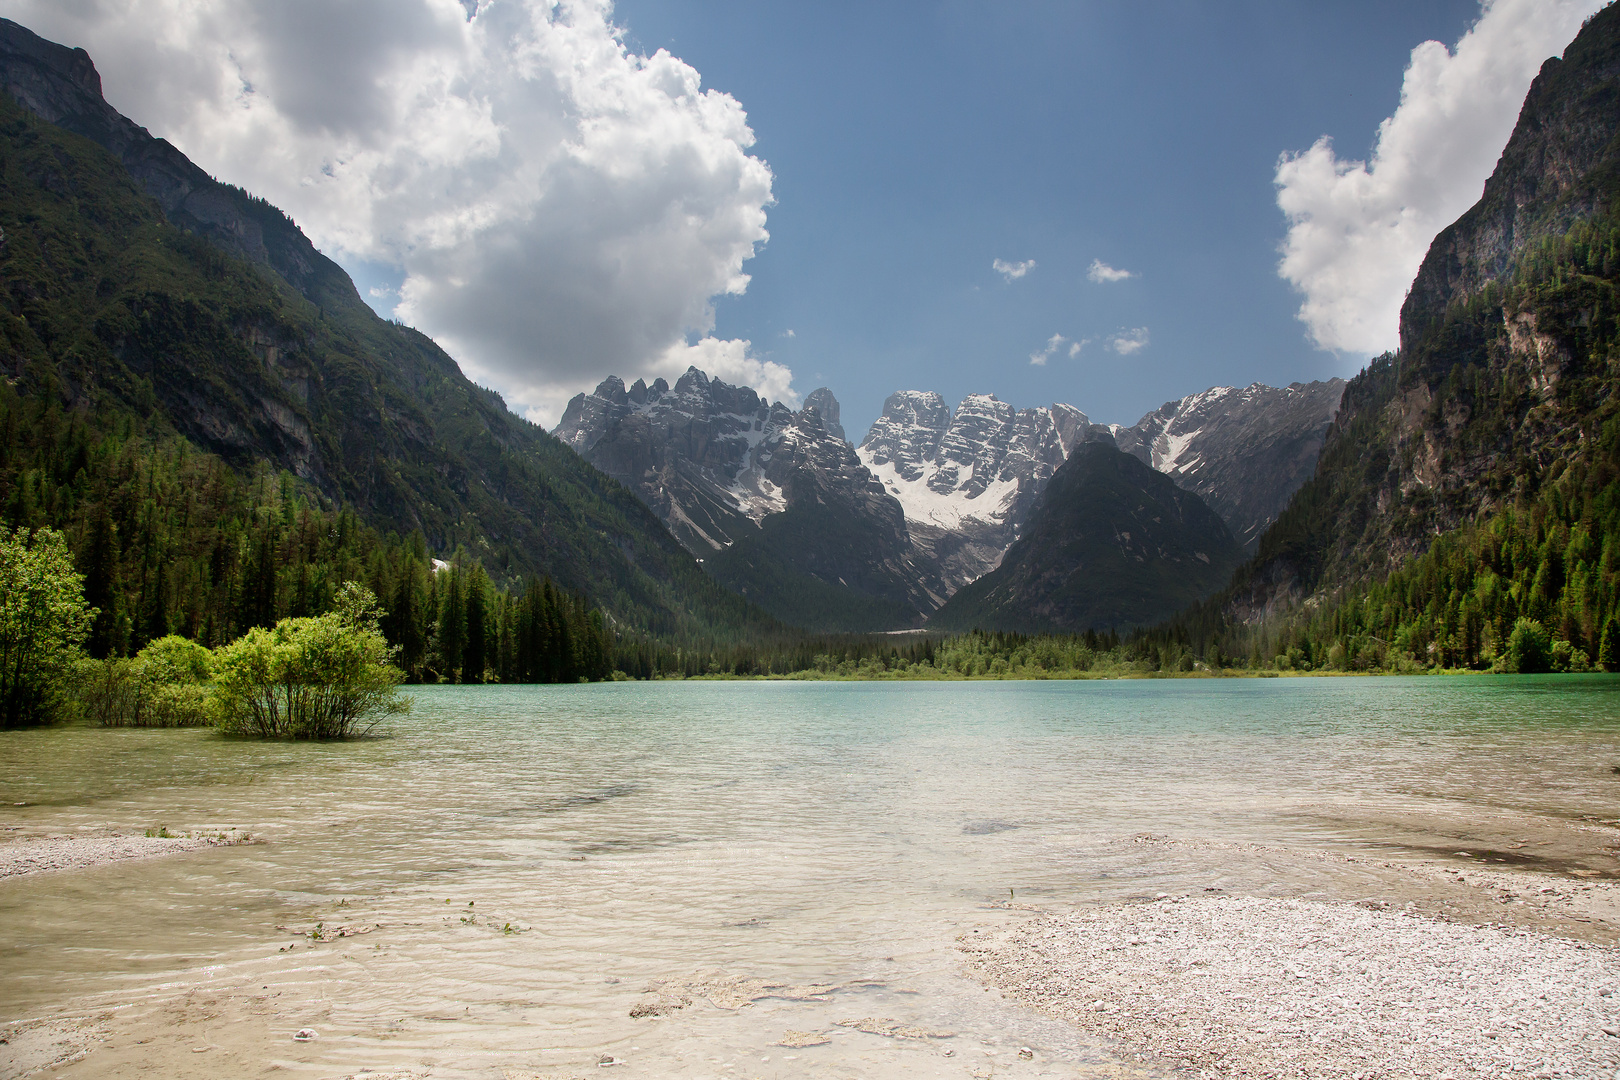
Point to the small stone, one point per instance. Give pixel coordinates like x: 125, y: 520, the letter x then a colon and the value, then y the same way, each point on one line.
x: 1025, y: 1054
x: 305, y: 1035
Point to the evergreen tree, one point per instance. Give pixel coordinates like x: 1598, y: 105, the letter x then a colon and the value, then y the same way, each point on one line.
x: 1609, y: 647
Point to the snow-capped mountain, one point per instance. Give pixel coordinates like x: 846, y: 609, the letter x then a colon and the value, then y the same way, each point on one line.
x: 783, y: 510
x: 1244, y: 451
x: 967, y: 480
x: 775, y: 502
x: 697, y: 452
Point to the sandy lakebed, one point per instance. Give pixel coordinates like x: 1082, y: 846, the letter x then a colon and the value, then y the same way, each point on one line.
x: 1331, y: 879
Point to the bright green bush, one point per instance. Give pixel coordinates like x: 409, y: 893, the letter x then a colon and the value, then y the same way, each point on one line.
x: 43, y: 621
x: 164, y: 685
x: 1529, y: 649
x: 329, y: 677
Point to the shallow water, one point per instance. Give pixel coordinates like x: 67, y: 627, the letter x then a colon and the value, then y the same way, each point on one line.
x: 536, y: 857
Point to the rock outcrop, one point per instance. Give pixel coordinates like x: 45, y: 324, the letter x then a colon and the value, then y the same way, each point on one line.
x: 967, y: 480
x: 1243, y: 451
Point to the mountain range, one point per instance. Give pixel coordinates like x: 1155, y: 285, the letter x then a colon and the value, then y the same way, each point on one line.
x: 140, y: 293
x: 1463, y: 482
x: 877, y: 537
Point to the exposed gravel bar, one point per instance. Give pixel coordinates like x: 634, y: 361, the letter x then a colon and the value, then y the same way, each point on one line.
x: 1242, y: 986
x: 38, y: 855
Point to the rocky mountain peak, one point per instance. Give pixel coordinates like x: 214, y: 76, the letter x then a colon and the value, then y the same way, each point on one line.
x: 1244, y: 451
x: 823, y: 402
x: 967, y: 479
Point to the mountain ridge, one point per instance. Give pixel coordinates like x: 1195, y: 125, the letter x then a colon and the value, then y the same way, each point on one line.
x: 134, y: 282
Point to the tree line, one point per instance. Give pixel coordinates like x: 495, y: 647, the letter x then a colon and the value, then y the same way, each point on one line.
x: 171, y: 541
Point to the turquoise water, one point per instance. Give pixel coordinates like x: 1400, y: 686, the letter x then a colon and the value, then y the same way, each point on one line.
x: 803, y: 832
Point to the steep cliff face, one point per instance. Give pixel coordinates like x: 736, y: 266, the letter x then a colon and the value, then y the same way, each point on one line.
x: 775, y: 502
x: 131, y: 282
x: 1111, y: 544
x: 695, y: 452
x: 1507, y: 371
x: 1560, y: 167
x: 1243, y: 451
x: 967, y: 480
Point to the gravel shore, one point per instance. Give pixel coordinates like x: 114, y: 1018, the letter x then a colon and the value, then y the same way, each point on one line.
x: 42, y: 854
x: 1263, y: 987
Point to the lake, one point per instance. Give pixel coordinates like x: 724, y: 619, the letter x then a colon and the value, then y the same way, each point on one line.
x: 533, y: 864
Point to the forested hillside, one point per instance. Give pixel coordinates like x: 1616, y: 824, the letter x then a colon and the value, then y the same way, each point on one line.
x: 230, y: 352
x: 1472, y: 479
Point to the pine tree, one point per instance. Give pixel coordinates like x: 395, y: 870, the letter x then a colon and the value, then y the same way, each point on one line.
x: 1609, y: 647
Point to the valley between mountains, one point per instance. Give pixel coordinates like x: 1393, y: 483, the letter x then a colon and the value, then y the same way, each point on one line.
x: 224, y: 432
x: 781, y: 507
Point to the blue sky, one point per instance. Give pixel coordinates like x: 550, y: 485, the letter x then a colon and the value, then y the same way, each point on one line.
x: 560, y: 190
x: 913, y: 144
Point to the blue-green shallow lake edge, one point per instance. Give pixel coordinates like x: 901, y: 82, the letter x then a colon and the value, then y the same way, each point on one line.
x: 776, y: 829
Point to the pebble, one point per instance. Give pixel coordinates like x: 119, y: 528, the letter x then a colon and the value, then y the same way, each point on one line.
x: 1261, y: 987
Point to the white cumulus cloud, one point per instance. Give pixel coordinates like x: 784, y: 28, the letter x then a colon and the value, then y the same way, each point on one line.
x: 1012, y: 271
x: 1101, y: 272
x: 1128, y: 341
x: 1358, y: 230
x: 559, y: 207
x: 1040, y: 356
x: 728, y: 360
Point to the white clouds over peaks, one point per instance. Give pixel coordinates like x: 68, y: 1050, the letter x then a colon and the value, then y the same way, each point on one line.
x: 1012, y: 271
x: 1128, y: 341
x: 1100, y: 272
x: 561, y: 209
x: 1053, y: 344
x: 1357, y: 231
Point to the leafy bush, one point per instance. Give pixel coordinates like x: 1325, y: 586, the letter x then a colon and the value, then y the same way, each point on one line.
x: 1529, y: 648
x: 43, y: 621
x: 164, y: 685
x: 328, y: 677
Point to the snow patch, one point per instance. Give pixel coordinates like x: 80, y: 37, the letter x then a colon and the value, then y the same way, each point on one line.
x: 948, y: 509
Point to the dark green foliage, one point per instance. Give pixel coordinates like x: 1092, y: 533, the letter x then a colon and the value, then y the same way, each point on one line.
x: 1530, y: 650
x: 131, y: 328
x: 179, y: 539
x: 1609, y: 648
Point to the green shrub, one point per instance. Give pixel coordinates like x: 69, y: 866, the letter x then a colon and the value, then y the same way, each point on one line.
x: 1529, y: 650
x: 329, y: 677
x: 1561, y: 653
x: 43, y: 621
x: 164, y: 685
x: 109, y: 692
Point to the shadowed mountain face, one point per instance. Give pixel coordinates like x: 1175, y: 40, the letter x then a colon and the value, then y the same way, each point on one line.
x: 1243, y: 451
x: 775, y: 502
x: 1111, y: 544
x: 1506, y: 377
x: 134, y: 283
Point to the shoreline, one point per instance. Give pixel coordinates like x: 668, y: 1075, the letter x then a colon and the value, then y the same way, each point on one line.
x: 25, y: 856
x: 1264, y: 987
x: 1294, y: 962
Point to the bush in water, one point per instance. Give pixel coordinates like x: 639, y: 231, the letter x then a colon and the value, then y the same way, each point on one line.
x: 164, y: 685
x: 328, y: 677
x: 1529, y: 648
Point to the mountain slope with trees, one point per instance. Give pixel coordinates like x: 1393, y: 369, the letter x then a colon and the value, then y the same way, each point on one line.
x: 1111, y: 544
x: 1472, y: 480
x: 154, y: 310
